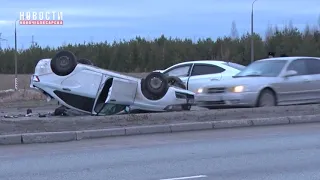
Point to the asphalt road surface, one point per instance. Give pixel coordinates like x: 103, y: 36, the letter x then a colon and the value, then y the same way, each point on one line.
x: 278, y: 152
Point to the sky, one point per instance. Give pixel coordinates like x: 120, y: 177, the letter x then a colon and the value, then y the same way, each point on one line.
x: 109, y: 20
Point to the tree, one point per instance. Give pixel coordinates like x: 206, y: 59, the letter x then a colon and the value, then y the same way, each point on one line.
x: 234, y: 31
x: 144, y: 55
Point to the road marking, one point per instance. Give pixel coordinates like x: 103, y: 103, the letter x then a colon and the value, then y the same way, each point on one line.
x: 187, y: 177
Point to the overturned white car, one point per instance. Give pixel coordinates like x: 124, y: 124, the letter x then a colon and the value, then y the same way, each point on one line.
x: 79, y: 85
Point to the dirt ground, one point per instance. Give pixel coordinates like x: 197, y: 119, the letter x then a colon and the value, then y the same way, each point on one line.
x: 7, y: 81
x: 56, y: 124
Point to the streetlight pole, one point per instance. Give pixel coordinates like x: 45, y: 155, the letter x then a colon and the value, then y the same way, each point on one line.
x: 15, y: 57
x: 252, y: 43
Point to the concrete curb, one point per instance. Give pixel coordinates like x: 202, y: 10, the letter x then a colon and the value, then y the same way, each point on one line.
x: 49, y: 137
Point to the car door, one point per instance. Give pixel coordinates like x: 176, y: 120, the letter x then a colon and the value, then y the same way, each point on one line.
x: 181, y: 71
x: 115, y: 90
x: 203, y: 74
x: 122, y: 91
x: 80, y: 89
x: 84, y: 83
x: 313, y: 66
x: 295, y: 88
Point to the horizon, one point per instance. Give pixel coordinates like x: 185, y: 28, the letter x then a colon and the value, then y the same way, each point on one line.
x: 127, y: 20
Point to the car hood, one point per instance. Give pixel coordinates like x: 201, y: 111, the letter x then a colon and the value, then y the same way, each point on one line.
x: 242, y: 81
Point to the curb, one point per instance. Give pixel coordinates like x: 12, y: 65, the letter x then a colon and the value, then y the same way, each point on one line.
x: 50, y: 137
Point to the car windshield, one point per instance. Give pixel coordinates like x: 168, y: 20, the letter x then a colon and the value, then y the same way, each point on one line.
x: 266, y: 68
x: 110, y: 109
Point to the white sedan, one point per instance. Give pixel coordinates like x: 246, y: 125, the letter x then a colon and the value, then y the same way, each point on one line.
x: 197, y: 74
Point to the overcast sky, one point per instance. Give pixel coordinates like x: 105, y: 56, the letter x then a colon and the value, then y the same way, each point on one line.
x: 100, y: 20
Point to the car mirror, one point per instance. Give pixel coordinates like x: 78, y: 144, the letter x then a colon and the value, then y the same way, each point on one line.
x: 290, y: 73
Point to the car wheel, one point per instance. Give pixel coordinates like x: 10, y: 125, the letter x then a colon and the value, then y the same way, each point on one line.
x: 156, y: 83
x: 63, y: 63
x: 266, y: 99
x: 85, y: 61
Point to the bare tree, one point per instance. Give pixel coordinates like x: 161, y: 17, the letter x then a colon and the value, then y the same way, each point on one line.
x: 269, y: 32
x: 234, y: 31
x: 290, y: 25
x: 307, y: 30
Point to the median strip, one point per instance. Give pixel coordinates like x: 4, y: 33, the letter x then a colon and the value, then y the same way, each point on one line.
x: 64, y: 136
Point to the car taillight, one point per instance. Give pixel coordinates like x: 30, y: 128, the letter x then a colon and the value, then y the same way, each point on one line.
x: 35, y: 78
x: 43, y: 67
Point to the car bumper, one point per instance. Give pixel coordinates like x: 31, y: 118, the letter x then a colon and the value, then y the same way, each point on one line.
x: 226, y: 99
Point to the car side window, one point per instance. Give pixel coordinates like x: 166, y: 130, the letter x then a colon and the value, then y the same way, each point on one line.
x: 203, y: 69
x: 299, y: 66
x: 181, y: 71
x: 313, y: 66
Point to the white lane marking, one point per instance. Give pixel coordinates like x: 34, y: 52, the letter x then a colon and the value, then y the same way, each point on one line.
x: 187, y: 177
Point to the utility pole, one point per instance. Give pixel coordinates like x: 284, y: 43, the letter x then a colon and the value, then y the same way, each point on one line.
x: 252, y: 43
x: 15, y: 57
x: 0, y: 40
x: 32, y: 41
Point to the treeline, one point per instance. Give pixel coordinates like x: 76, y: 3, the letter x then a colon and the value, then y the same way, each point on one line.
x: 141, y: 55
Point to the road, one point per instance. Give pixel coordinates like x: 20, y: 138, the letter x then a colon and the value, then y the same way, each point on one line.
x: 278, y: 152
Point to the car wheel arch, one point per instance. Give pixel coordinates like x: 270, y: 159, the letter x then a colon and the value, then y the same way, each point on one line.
x: 270, y: 89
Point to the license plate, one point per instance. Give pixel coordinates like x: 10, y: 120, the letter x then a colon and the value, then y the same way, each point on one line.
x: 209, y: 98
x: 190, y: 101
x: 218, y: 98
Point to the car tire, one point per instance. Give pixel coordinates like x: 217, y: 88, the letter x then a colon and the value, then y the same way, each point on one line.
x: 63, y: 63
x: 146, y: 93
x: 177, y: 82
x: 156, y: 84
x: 266, y: 98
x: 85, y: 61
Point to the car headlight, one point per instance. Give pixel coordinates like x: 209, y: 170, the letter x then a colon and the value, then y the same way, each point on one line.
x: 200, y: 90
x: 237, y: 89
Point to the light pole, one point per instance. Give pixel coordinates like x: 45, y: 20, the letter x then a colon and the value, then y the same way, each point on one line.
x: 252, y: 43
x: 15, y: 57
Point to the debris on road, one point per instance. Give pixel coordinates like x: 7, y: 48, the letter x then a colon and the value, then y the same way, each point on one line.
x: 29, y: 111
x: 60, y: 111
